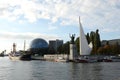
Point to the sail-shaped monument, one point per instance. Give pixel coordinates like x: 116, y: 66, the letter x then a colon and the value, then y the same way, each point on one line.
x: 85, y: 49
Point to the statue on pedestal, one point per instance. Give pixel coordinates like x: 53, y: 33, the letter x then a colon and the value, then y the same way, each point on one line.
x: 73, y: 49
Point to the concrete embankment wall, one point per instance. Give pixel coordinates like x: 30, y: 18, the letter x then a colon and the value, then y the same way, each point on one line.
x: 53, y: 57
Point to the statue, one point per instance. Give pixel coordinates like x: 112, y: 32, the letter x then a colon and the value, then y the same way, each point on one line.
x: 72, y: 38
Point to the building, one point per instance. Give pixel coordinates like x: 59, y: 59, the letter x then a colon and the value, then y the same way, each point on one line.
x: 111, y: 42
x: 39, y: 46
x: 54, y: 44
x: 38, y: 43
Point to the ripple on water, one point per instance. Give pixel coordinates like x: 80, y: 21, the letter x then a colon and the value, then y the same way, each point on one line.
x: 43, y: 70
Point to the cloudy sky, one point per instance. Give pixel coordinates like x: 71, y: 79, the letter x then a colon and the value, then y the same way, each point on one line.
x: 55, y: 19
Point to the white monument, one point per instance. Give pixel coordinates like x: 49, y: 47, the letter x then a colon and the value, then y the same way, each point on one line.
x: 85, y: 49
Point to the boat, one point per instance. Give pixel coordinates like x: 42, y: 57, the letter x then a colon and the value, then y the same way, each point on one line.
x: 25, y: 57
x: 2, y: 54
x: 86, y: 59
x: 14, y: 56
x: 115, y: 59
x: 19, y: 55
x: 110, y: 59
x: 106, y: 59
x: 61, y: 59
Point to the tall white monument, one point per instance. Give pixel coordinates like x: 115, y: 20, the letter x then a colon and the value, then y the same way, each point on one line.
x: 85, y: 49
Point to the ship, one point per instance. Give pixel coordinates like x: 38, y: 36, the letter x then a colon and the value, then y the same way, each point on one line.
x: 19, y: 55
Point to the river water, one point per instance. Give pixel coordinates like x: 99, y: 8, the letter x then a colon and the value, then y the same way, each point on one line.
x: 44, y: 70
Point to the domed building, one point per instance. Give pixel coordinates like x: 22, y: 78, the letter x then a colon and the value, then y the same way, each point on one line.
x: 39, y: 43
x: 39, y: 46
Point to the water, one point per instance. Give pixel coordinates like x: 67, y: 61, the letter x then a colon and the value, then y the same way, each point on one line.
x: 44, y: 70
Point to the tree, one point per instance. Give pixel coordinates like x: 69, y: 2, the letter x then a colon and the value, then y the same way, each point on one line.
x: 92, y: 34
x: 88, y: 38
x: 97, y: 42
x: 64, y: 48
x: 77, y: 44
x: 60, y: 49
x: 115, y: 48
x: 52, y: 50
x: 107, y: 49
x: 100, y: 51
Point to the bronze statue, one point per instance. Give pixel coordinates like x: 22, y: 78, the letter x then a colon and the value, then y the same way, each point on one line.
x: 72, y: 38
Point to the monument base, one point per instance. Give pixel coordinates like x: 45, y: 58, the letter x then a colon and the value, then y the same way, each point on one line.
x: 73, y: 52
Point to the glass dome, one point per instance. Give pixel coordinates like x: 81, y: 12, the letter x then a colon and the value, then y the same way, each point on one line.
x: 39, y: 43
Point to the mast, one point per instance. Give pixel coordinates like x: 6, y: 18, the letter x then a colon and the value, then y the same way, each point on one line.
x: 24, y: 45
x: 84, y: 47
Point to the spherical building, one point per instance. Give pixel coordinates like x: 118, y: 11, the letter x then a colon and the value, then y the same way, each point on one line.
x: 39, y: 46
x: 39, y: 43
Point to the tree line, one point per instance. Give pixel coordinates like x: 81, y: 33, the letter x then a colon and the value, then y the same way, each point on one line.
x: 98, y: 49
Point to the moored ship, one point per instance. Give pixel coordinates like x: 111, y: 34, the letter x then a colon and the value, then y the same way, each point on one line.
x: 19, y: 55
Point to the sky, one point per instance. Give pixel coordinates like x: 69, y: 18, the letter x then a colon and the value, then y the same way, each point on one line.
x: 25, y: 20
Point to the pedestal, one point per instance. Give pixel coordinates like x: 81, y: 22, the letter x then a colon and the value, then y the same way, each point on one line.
x: 73, y: 52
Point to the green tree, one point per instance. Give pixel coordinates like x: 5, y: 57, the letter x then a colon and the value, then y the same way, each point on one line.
x: 88, y: 38
x: 115, y: 49
x: 64, y: 49
x: 97, y: 42
x: 92, y: 34
x: 60, y: 49
x: 77, y: 44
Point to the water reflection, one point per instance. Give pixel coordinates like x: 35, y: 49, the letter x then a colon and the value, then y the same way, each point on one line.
x: 85, y: 71
x: 40, y: 70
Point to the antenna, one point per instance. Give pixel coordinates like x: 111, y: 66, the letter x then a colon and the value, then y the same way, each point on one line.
x: 79, y: 20
x: 24, y: 44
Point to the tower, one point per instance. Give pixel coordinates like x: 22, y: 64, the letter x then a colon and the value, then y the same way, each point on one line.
x: 14, y: 47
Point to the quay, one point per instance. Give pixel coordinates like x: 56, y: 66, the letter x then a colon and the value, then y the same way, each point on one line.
x: 81, y: 59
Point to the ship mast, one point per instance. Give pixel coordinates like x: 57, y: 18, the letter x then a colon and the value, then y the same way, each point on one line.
x: 24, y: 45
